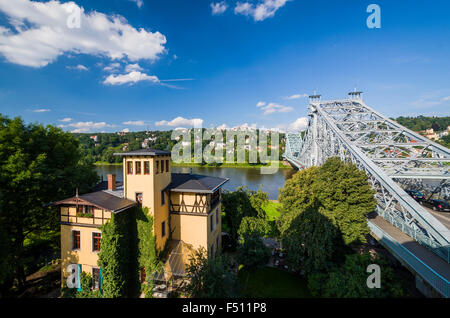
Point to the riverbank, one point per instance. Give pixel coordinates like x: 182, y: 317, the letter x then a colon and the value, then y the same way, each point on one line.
x: 281, y: 165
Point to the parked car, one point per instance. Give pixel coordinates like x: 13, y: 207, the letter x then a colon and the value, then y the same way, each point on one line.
x: 437, y: 205
x: 416, y: 195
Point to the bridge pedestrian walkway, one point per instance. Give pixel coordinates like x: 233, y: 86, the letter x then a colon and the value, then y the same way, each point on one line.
x: 425, y: 263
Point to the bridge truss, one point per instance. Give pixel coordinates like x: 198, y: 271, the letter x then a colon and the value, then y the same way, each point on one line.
x: 390, y: 154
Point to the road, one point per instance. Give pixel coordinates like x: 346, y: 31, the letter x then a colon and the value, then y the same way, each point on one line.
x: 443, y: 217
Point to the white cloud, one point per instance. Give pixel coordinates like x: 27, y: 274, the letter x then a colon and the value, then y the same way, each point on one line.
x: 132, y: 77
x: 446, y: 99
x: 134, y: 123
x: 40, y: 32
x: 273, y: 108
x: 133, y: 67
x: 139, y: 3
x: 261, y: 11
x: 125, y: 130
x: 219, y: 7
x: 296, y: 96
x: 86, y: 126
x: 66, y: 120
x: 180, y: 121
x: 112, y: 67
x: 299, y: 124
x: 41, y: 110
x: 79, y: 67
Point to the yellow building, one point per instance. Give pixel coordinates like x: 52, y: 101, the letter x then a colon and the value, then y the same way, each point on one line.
x: 185, y: 208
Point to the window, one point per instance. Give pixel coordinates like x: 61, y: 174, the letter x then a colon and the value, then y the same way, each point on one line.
x: 212, y: 249
x: 212, y: 222
x: 163, y: 229
x: 162, y: 166
x: 217, y: 241
x: 129, y: 167
x: 146, y: 167
x: 139, y: 198
x: 217, y: 216
x: 96, y: 241
x: 75, y: 240
x: 90, y: 210
x: 163, y: 198
x: 95, y: 278
x: 80, y: 209
x: 157, y: 166
x: 167, y: 165
x: 138, y: 167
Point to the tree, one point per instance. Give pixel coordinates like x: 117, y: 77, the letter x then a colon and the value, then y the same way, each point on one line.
x: 310, y: 240
x: 252, y: 253
x: 253, y: 226
x: 341, y: 192
x: 350, y: 279
x: 210, y: 277
x: 236, y: 206
x: 38, y: 165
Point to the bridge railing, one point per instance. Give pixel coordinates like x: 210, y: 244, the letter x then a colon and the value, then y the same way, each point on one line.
x: 435, y: 280
x: 442, y: 251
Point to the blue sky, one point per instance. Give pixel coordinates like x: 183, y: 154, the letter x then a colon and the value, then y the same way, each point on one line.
x: 177, y: 59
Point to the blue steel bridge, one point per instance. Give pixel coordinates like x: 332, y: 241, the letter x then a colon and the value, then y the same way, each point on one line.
x: 394, y: 158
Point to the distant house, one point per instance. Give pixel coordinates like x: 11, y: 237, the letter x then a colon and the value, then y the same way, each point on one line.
x: 94, y: 138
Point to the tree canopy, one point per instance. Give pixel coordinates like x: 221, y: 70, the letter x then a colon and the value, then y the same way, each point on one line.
x: 38, y: 165
x: 340, y: 191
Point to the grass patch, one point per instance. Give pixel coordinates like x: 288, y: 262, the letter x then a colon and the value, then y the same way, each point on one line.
x: 271, y: 282
x: 272, y: 210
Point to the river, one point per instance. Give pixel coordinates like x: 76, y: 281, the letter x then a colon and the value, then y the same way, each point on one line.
x: 252, y: 178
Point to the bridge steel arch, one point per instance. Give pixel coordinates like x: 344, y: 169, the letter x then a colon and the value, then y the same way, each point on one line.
x: 389, y: 153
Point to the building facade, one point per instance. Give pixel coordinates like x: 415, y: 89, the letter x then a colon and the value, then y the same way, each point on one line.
x: 186, y: 208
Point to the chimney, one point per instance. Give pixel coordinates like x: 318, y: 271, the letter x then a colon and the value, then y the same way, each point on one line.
x: 112, y: 182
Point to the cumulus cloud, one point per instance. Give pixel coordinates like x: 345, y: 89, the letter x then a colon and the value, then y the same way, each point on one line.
x: 66, y: 120
x: 86, y: 126
x: 79, y: 67
x: 132, y: 77
x: 299, y: 124
x: 446, y: 99
x: 39, y: 32
x: 219, y: 7
x: 139, y: 3
x: 41, y: 110
x: 133, y: 67
x: 273, y: 108
x: 112, y: 67
x: 296, y: 96
x: 180, y: 121
x: 261, y: 11
x: 134, y: 123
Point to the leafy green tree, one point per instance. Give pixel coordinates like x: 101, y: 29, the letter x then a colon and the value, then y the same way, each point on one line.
x: 310, y: 240
x: 252, y: 253
x: 38, y: 165
x: 350, y: 279
x: 253, y: 226
x: 342, y: 193
x: 210, y: 277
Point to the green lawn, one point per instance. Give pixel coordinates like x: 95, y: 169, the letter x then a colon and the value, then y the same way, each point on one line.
x: 270, y: 282
x: 271, y: 210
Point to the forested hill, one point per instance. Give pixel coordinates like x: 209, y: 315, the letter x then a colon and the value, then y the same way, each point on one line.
x: 100, y: 147
x: 421, y: 123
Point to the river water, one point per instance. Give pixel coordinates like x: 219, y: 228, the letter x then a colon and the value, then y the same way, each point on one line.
x: 250, y: 177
